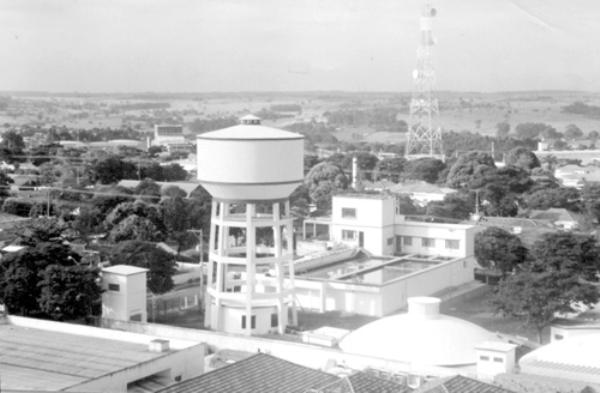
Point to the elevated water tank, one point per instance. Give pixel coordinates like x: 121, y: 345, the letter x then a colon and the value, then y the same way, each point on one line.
x: 250, y: 162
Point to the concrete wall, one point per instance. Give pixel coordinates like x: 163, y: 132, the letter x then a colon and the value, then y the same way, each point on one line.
x: 440, y: 232
x: 304, y: 354
x: 374, y: 300
x: 129, y: 300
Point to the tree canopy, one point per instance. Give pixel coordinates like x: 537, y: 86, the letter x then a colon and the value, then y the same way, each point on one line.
x: 160, y: 263
x: 499, y: 250
x: 426, y: 169
x: 523, y: 158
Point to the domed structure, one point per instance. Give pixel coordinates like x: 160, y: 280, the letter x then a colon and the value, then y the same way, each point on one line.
x: 250, y: 161
x: 421, y: 336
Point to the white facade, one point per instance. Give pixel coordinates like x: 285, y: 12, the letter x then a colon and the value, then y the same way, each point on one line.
x: 374, y: 223
x: 495, y: 358
x: 124, y: 296
x: 560, y: 332
x: 171, y: 137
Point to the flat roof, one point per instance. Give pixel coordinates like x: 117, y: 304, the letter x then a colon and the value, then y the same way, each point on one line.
x: 125, y: 270
x: 496, y: 346
x: 36, y: 359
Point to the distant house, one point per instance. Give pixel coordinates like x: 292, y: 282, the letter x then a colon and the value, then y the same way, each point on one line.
x: 460, y: 384
x: 561, y: 218
x: 576, y: 176
x: 422, y: 192
x: 171, y: 137
x: 268, y: 374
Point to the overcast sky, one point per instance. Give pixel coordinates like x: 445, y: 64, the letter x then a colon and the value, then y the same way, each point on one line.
x: 267, y: 45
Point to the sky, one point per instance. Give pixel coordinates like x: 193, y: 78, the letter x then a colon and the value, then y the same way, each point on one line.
x: 295, y: 45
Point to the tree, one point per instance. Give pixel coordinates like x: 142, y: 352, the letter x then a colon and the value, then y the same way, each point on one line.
x: 406, y: 205
x: 568, y: 254
x: 173, y: 192
x: 45, y: 280
x: 69, y: 292
x: 594, y: 135
x: 467, y: 167
x: 106, y: 199
x: 160, y: 263
x: 557, y: 197
x: 300, y: 201
x: 324, y: 180
x: 456, y: 206
x: 148, y: 187
x: 11, y: 145
x: 523, y: 158
x: 138, y: 208
x: 176, y: 219
x: 502, y: 129
x: 112, y: 169
x: 426, y: 169
x: 40, y: 231
x: 136, y: 228
x: 562, y: 272
x: 499, y: 250
x: 174, y: 172
x: 535, y: 298
x: 390, y: 168
x: 530, y: 130
x: 572, y: 132
x: 590, y: 196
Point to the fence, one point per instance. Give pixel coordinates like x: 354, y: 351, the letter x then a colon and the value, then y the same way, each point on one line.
x: 161, y: 306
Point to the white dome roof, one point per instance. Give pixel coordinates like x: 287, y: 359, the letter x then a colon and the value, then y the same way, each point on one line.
x: 422, y: 336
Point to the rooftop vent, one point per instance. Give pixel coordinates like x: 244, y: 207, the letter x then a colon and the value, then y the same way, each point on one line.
x: 423, y: 307
x: 158, y: 345
x: 250, y: 120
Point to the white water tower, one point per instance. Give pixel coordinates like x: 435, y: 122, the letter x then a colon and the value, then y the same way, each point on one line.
x: 250, y: 171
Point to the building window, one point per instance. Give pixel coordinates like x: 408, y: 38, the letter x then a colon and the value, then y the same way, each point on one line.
x: 136, y: 317
x: 407, y: 240
x: 114, y: 287
x: 252, y: 322
x: 177, y: 378
x: 428, y: 242
x: 348, y: 235
x: 274, y: 320
x: 558, y: 337
x: 390, y: 241
x: 484, y: 358
x: 498, y: 360
x: 348, y: 212
x: 452, y: 244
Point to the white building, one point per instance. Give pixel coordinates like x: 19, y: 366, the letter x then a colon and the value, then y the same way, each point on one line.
x: 374, y: 223
x: 124, y: 296
x: 171, y: 137
x: 40, y: 355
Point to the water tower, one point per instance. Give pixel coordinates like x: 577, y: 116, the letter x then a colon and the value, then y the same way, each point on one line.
x: 250, y: 171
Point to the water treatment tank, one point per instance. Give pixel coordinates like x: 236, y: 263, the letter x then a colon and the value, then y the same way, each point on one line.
x: 250, y: 162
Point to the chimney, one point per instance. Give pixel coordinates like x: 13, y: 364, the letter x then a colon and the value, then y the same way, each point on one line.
x: 355, y: 173
x: 158, y: 345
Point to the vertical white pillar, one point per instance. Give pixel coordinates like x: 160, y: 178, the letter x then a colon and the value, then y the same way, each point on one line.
x: 281, y: 310
x: 289, y: 254
x: 250, y: 256
x: 211, y: 252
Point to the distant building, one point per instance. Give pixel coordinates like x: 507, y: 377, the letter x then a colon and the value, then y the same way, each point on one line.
x: 576, y: 176
x: 422, y: 192
x: 575, y: 359
x: 124, y: 295
x: 40, y: 355
x: 460, y: 384
x: 560, y: 218
x: 172, y: 138
x: 375, y: 223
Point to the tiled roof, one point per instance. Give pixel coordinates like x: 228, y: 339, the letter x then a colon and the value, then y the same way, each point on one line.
x: 366, y: 383
x: 260, y: 373
x: 460, y: 384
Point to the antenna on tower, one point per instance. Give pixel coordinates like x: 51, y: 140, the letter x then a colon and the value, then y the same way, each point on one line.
x: 424, y: 137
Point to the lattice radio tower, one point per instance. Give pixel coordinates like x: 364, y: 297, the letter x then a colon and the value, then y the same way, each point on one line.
x: 424, y: 136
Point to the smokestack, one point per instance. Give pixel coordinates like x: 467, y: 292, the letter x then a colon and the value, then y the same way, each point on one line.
x: 355, y: 173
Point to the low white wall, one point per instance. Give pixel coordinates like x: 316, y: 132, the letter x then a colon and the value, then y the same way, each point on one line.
x: 306, y: 355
